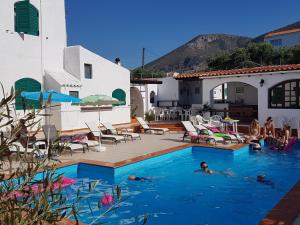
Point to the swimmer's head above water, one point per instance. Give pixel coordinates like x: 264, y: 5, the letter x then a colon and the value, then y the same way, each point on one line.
x: 204, y: 167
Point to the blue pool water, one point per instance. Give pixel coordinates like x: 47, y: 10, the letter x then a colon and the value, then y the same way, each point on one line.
x: 178, y: 195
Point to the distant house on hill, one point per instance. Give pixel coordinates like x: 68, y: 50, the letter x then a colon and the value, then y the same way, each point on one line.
x: 284, y: 37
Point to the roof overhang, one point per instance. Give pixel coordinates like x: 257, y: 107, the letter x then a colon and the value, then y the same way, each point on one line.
x: 145, y: 81
x: 63, y: 78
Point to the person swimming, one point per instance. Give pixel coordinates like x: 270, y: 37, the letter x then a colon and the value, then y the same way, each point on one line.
x: 262, y: 179
x: 204, y: 168
x: 135, y: 178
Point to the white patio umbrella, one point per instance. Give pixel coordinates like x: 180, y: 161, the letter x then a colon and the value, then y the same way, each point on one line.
x: 98, y: 101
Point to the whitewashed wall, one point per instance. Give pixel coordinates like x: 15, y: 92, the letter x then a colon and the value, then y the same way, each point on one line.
x: 107, y: 76
x: 189, y: 96
x: 25, y: 55
x: 249, y: 94
x: 168, y: 90
x: 270, y: 79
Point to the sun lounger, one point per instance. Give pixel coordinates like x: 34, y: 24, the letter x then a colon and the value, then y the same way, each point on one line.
x: 96, y: 132
x: 146, y: 127
x: 39, y: 153
x: 190, y: 130
x: 125, y: 133
x: 51, y: 136
x: 216, y: 137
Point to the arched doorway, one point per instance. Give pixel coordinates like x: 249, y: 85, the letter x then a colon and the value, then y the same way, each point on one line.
x: 137, y: 103
x: 26, y: 84
x: 238, y: 99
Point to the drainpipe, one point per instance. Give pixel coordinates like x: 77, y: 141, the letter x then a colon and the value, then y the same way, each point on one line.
x: 146, y: 98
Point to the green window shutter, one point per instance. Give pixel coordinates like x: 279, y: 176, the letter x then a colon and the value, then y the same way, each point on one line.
x: 26, y: 84
x: 26, y: 18
x: 120, y: 95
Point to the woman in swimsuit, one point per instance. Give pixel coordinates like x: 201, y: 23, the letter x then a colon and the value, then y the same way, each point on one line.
x: 254, y: 135
x: 269, y: 130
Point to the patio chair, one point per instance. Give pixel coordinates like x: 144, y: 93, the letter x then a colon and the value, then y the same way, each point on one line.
x: 52, y: 136
x: 201, y: 120
x: 126, y: 133
x: 96, y: 132
x: 146, y: 127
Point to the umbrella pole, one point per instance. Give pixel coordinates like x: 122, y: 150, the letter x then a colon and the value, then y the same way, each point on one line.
x: 101, y: 149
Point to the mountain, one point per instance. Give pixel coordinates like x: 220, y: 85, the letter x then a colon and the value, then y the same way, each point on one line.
x: 260, y: 38
x: 194, y: 54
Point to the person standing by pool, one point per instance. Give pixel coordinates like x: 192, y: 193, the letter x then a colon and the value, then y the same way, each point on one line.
x: 269, y: 130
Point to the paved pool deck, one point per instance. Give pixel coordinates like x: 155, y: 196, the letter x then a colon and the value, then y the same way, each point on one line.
x: 132, y: 151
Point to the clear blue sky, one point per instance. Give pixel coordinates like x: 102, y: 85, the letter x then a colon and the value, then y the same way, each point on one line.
x: 121, y: 28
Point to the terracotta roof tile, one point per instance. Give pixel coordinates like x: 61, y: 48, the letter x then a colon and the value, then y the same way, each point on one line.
x: 276, y: 33
x: 262, y: 69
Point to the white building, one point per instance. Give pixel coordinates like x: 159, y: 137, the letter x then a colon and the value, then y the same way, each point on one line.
x: 147, y: 94
x: 285, y: 38
x: 34, y: 56
x: 251, y: 92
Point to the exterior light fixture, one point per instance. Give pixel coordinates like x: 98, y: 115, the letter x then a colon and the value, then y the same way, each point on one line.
x: 262, y: 81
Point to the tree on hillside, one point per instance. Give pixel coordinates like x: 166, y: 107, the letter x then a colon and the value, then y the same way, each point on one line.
x: 142, y: 73
x: 256, y: 54
x: 261, y: 53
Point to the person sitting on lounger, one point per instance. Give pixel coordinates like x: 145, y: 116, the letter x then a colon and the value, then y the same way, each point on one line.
x: 22, y: 134
x: 135, y: 178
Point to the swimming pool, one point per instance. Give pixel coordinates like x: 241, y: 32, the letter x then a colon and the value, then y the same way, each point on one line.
x: 177, y: 194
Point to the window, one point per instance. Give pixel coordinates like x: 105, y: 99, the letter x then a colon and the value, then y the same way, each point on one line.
x: 152, y: 97
x: 26, y: 18
x: 197, y: 90
x: 88, y: 71
x: 120, y: 95
x: 276, y: 42
x: 285, y: 95
x: 74, y: 94
x: 26, y: 84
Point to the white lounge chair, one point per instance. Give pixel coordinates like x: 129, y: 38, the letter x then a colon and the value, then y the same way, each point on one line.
x: 146, y: 127
x: 96, y: 132
x: 123, y: 132
x: 51, y: 136
x: 190, y: 130
x: 39, y: 153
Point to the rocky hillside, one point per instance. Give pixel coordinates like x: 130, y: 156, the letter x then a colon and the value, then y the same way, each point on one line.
x: 194, y: 54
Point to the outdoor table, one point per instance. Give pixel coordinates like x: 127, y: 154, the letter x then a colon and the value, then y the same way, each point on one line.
x: 232, y: 122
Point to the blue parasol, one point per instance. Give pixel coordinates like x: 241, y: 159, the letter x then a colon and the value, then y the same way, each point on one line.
x: 55, y: 96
